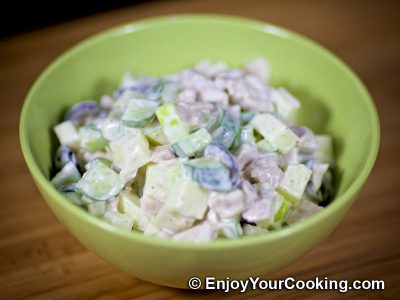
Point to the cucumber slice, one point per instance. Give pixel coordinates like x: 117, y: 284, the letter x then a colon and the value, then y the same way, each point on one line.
x: 278, y: 209
x: 110, y: 128
x: 139, y: 180
x: 169, y: 91
x: 188, y: 198
x: 246, y: 117
x: 247, y: 135
x: 286, y: 105
x: 236, y: 142
x: 70, y: 192
x: 92, y: 139
x: 139, y: 112
x: 230, y: 228
x: 282, y: 212
x: 264, y: 146
x: 67, y: 134
x: 167, y: 187
x: 172, y: 124
x: 222, y: 155
x: 105, y: 161
x: 294, y: 182
x: 209, y: 173
x: 159, y: 184
x: 320, y: 187
x: 98, y: 208
x: 126, y: 130
x: 214, y: 119
x: 172, y: 220
x: 129, y: 204
x: 87, y: 200
x: 303, y: 211
x: 69, y: 174
x: 252, y: 230
x: 275, y: 132
x: 155, y: 134
x: 130, y: 152
x: 191, y: 144
x: 152, y: 89
x: 120, y: 220
x: 100, y: 182
x: 226, y: 133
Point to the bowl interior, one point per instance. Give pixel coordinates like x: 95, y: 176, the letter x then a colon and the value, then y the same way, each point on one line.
x: 334, y: 101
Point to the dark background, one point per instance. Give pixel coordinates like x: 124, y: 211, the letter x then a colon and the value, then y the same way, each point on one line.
x: 20, y: 16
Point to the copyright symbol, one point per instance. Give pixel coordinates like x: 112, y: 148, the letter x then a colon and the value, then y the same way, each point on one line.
x: 194, y: 283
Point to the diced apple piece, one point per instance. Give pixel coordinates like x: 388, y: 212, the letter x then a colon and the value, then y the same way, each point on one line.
x: 294, y: 182
x: 275, y: 132
x: 67, y: 134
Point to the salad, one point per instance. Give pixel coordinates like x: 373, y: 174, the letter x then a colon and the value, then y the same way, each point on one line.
x: 209, y: 152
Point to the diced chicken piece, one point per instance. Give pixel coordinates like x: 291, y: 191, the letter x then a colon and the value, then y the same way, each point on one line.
x: 267, y: 193
x: 303, y: 211
x: 161, y: 153
x: 260, y: 68
x: 197, y: 114
x: 245, y: 155
x: 192, y: 79
x: 265, y: 169
x: 151, y: 205
x: 202, y: 232
x: 214, y: 95
x: 307, y: 141
x: 234, y: 110
x: 247, y: 91
x: 250, y: 193
x: 229, y: 74
x: 318, y: 172
x: 188, y: 96
x: 213, y: 217
x: 262, y: 209
x: 210, y: 68
x: 227, y: 205
x: 292, y: 157
x: 255, y: 83
x: 195, y: 108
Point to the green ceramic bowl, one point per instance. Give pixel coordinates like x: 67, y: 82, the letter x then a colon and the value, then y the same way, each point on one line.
x: 334, y: 101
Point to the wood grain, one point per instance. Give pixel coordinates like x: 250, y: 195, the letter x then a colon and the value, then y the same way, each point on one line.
x: 39, y: 259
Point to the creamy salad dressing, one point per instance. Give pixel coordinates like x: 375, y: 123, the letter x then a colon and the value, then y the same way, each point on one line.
x: 209, y: 152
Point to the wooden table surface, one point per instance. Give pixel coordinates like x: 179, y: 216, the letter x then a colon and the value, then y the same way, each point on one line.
x: 40, y: 259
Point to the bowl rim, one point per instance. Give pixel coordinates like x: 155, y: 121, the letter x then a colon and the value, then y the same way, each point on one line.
x: 252, y: 24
